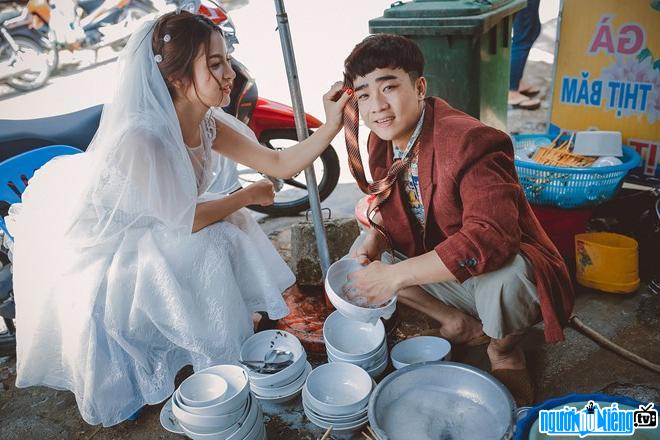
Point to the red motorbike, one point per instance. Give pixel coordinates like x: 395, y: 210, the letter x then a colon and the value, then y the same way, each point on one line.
x: 273, y: 124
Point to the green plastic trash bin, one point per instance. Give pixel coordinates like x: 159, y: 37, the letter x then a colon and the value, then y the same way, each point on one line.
x: 466, y: 45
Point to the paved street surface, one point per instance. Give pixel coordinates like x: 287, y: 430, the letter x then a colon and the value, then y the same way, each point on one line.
x: 323, y: 34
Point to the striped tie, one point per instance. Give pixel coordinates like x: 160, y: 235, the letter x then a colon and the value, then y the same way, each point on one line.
x: 381, y: 188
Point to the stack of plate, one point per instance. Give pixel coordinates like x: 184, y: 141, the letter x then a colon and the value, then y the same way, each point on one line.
x: 215, y: 403
x: 356, y: 342
x: 337, y: 395
x: 285, y: 384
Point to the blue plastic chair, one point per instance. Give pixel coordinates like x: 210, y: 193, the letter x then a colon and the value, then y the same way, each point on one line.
x: 16, y: 171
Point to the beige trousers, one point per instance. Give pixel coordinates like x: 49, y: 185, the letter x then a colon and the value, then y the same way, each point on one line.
x: 504, y: 300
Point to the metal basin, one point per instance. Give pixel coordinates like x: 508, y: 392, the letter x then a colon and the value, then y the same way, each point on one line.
x: 441, y: 400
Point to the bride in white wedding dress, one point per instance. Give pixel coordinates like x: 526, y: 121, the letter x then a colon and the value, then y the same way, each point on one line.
x: 122, y: 273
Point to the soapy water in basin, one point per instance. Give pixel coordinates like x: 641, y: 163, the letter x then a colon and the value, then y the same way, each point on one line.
x: 437, y: 413
x: 354, y: 296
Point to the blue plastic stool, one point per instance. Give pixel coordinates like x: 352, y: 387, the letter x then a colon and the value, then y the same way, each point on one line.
x: 16, y: 171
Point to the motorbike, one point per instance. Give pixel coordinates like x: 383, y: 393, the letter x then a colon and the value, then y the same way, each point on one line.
x: 272, y: 122
x: 25, y: 54
x: 100, y: 23
x: 274, y: 125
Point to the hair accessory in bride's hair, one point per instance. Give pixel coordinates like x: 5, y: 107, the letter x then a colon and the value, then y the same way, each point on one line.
x: 167, y: 38
x: 158, y: 58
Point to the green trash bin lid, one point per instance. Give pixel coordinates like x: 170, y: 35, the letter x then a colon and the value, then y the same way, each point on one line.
x: 444, y: 17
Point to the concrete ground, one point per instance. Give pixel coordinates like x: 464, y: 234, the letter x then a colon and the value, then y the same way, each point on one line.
x: 576, y: 365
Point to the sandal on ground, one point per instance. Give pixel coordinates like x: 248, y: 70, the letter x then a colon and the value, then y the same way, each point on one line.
x: 518, y: 382
x: 525, y: 103
x: 530, y: 91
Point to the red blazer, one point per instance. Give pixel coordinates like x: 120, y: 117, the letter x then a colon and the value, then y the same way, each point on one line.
x: 477, y: 216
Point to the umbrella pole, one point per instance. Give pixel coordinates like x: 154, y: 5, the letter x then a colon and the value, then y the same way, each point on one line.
x: 301, y: 128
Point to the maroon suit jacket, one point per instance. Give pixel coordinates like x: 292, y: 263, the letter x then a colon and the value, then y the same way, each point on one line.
x: 477, y: 216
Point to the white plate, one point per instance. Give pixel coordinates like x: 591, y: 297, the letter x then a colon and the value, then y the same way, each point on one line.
x: 167, y: 419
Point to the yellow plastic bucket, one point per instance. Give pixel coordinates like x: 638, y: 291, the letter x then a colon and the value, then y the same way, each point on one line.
x: 607, y: 262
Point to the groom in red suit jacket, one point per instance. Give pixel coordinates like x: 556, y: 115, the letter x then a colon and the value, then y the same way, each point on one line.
x: 467, y: 248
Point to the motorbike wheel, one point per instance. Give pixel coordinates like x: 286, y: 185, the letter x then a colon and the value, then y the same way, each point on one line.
x: 53, y: 54
x: 40, y: 62
x: 293, y: 197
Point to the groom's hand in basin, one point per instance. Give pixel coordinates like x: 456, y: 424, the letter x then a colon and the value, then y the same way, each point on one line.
x: 376, y: 282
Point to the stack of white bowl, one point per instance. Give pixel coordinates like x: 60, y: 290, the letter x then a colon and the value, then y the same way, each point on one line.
x: 356, y: 342
x: 286, y: 384
x: 215, y: 404
x: 337, y: 395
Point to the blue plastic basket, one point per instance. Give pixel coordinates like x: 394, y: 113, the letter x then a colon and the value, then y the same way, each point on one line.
x: 569, y: 187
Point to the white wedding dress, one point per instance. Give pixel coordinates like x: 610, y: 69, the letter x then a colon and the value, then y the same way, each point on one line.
x: 114, y: 293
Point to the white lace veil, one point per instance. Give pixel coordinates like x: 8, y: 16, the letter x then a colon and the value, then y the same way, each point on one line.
x: 139, y: 171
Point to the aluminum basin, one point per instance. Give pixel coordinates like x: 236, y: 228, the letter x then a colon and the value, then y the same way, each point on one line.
x: 441, y: 400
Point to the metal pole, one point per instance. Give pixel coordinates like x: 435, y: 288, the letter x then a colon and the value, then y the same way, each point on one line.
x: 301, y: 127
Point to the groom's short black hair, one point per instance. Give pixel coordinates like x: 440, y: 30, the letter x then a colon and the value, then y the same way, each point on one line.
x: 382, y: 51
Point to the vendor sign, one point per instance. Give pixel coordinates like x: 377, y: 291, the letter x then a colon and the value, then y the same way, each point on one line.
x: 607, y: 73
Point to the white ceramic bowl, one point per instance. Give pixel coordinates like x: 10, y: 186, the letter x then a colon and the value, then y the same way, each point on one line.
x: 366, y: 363
x: 202, y: 390
x: 606, y: 161
x: 598, y: 143
x: 419, y: 349
x: 245, y: 429
x: 236, y: 431
x: 336, y: 426
x: 258, y: 430
x: 379, y: 368
x: 338, y: 388
x: 352, y: 339
x: 258, y: 345
x: 200, y: 423
x: 339, y: 419
x: 221, y: 432
x: 283, y: 390
x: 280, y: 399
x: 335, y: 280
x: 237, y: 392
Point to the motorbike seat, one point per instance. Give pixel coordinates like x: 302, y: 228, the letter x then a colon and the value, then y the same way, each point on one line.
x: 4, y: 16
x: 76, y: 129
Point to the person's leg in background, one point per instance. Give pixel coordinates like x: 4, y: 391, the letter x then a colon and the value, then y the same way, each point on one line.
x: 526, y: 29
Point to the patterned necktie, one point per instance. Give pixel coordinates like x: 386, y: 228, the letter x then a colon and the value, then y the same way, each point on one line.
x: 382, y: 188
